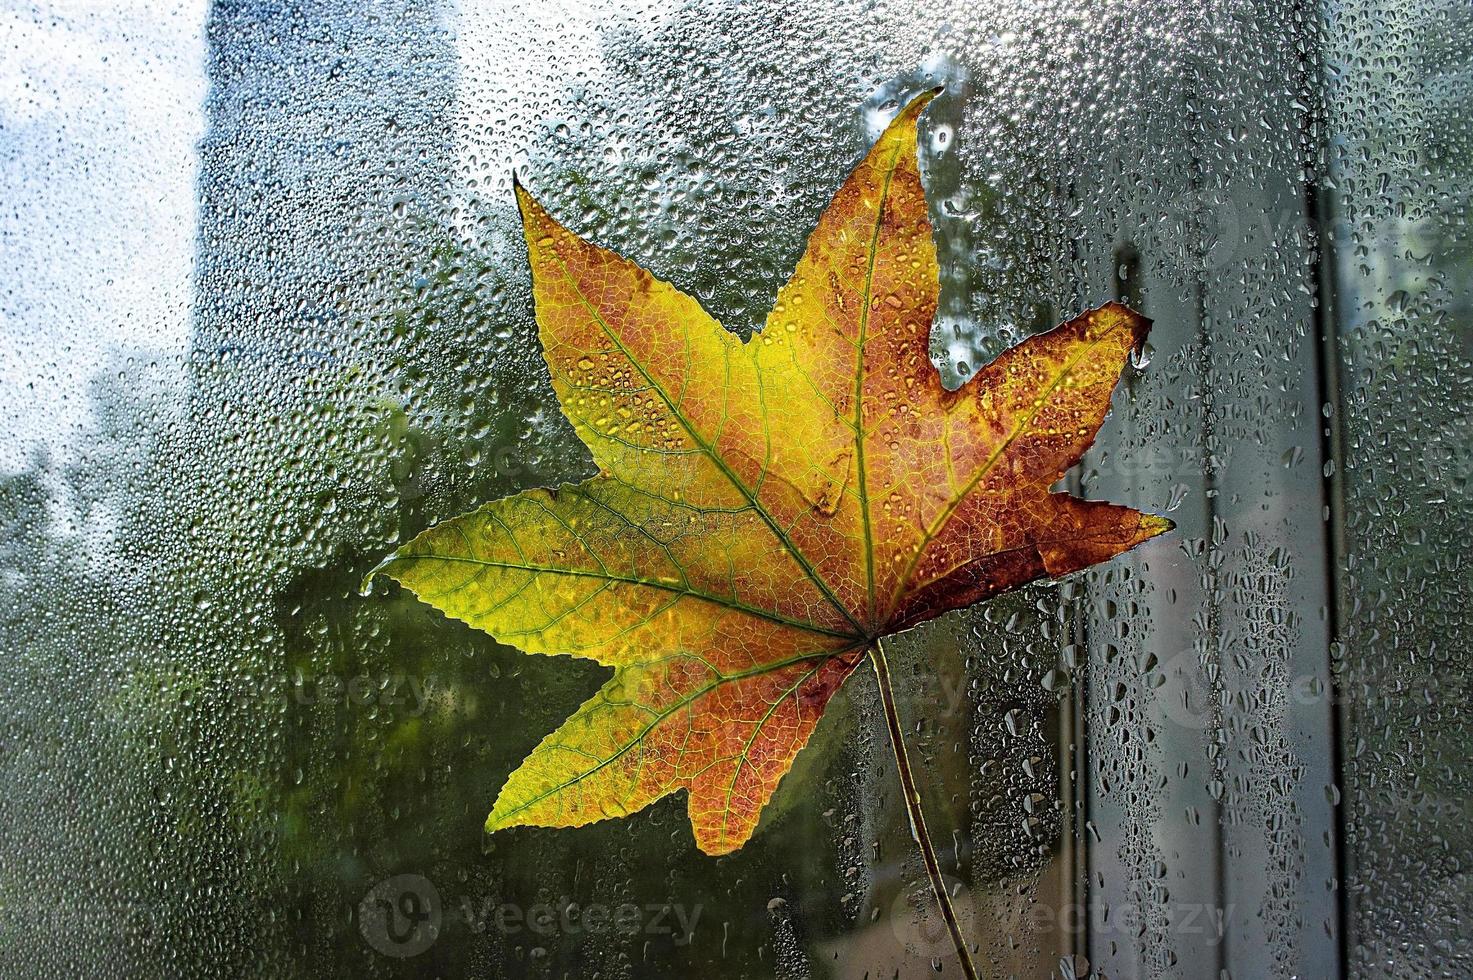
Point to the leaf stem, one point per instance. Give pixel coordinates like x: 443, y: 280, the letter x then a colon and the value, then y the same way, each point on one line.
x: 913, y: 809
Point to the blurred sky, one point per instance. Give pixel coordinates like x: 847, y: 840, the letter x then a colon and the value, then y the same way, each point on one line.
x: 101, y: 110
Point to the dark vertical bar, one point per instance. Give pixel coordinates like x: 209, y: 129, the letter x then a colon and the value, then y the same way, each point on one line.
x: 1314, y: 141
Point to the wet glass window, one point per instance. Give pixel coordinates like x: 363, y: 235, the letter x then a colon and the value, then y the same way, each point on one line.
x: 266, y: 315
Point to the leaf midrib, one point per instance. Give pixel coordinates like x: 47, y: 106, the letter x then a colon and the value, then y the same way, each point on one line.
x: 733, y: 604
x: 859, y: 379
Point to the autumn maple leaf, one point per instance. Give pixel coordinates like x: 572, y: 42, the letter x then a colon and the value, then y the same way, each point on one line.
x: 765, y: 511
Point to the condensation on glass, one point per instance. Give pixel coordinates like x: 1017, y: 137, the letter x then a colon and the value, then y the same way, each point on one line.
x: 266, y: 313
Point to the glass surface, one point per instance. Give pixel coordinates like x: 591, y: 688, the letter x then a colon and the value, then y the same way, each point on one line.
x: 265, y: 314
